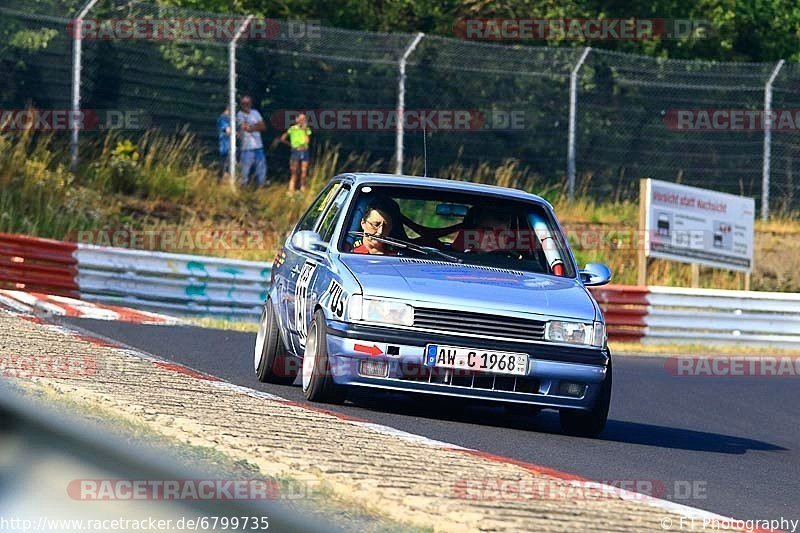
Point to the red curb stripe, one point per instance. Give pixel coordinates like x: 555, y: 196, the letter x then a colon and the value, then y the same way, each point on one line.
x: 97, y: 341
x: 68, y: 309
x: 530, y: 467
x: 323, y: 411
x: 34, y: 319
x: 185, y: 370
x: 131, y: 315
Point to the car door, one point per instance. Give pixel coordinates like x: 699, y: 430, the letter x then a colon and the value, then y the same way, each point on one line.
x: 326, y: 287
x: 301, y: 269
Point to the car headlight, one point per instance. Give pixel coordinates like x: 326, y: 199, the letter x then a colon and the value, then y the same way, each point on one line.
x: 383, y: 311
x: 573, y: 332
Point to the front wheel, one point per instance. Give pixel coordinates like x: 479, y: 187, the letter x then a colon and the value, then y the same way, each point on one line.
x: 589, y: 423
x: 318, y: 384
x: 271, y: 361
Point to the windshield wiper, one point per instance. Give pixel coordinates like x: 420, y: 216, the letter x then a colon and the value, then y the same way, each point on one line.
x: 399, y: 243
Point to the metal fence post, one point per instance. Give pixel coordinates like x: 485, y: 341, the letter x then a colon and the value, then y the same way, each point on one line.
x: 77, y: 47
x: 573, y: 105
x: 768, y: 140
x: 232, y: 97
x: 401, y: 104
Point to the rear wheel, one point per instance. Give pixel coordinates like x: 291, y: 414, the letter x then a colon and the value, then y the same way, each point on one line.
x: 589, y: 423
x: 272, y: 362
x: 318, y: 384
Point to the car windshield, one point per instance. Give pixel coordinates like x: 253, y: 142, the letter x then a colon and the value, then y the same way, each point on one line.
x: 445, y: 225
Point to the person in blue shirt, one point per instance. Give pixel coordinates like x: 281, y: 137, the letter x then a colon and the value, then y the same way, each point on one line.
x: 223, y: 132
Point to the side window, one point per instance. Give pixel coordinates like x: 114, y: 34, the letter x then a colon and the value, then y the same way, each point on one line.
x: 328, y: 223
x: 309, y: 220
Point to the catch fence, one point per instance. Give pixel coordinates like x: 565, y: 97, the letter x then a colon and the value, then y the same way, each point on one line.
x: 588, y: 120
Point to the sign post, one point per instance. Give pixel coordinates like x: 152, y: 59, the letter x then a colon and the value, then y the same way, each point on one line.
x: 642, y: 253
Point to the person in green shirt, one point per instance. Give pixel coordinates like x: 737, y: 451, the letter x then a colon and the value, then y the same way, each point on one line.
x: 299, y: 135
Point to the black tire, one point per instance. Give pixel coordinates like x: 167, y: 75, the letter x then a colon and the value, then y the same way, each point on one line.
x: 272, y: 362
x: 589, y: 423
x: 318, y: 384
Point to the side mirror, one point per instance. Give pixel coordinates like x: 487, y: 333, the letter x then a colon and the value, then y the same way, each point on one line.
x: 309, y: 241
x: 594, y: 274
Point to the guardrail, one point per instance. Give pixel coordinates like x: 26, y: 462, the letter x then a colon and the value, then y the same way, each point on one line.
x: 38, y: 264
x: 189, y: 284
x: 177, y: 282
x: 702, y: 316
x: 180, y: 283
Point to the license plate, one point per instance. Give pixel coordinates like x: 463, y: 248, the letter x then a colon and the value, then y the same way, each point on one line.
x: 439, y: 356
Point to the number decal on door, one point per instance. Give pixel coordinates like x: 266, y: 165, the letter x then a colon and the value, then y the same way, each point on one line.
x: 337, y: 299
x: 301, y: 301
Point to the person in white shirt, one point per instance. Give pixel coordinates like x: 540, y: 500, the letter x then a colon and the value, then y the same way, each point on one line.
x: 250, y: 125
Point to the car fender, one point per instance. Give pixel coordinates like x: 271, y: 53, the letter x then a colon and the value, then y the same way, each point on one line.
x: 333, y: 287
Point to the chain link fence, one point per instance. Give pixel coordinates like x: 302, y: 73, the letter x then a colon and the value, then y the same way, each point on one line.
x: 631, y: 116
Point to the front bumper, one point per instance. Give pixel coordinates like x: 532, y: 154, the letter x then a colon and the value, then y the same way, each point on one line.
x: 403, y: 351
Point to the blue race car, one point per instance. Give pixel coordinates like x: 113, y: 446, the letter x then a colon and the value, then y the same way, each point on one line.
x: 438, y: 287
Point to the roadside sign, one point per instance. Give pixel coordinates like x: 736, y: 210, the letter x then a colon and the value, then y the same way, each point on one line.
x: 693, y: 225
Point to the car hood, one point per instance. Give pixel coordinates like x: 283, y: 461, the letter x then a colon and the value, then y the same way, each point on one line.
x: 468, y: 286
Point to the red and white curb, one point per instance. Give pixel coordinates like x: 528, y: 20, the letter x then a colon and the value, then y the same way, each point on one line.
x: 685, y: 511
x: 49, y: 304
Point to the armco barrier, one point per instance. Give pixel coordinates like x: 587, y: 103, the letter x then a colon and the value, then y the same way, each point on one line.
x: 151, y: 280
x: 177, y: 282
x: 193, y: 284
x: 44, y: 265
x: 701, y: 316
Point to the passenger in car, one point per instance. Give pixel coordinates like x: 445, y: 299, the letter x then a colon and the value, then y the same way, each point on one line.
x: 481, y: 231
x: 491, y: 228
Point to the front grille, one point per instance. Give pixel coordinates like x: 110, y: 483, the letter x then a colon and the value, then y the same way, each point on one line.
x: 468, y: 379
x: 479, y: 324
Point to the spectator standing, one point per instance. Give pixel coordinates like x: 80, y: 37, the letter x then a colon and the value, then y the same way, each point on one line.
x: 299, y: 135
x: 250, y: 124
x: 223, y: 132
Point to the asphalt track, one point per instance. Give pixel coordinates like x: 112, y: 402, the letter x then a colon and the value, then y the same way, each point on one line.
x: 734, y: 439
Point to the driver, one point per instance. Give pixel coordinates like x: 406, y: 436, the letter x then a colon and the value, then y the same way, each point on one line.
x: 376, y: 221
